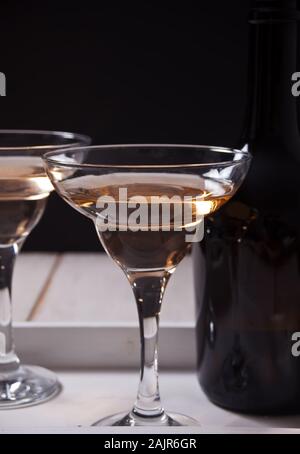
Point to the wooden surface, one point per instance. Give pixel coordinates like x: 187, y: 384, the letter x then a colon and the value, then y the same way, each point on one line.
x: 80, y: 288
x: 90, y: 395
x: 84, y: 287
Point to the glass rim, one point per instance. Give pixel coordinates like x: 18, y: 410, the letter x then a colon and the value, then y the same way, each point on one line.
x: 49, y: 157
x: 78, y: 139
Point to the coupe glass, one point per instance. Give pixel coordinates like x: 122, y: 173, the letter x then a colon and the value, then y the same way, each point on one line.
x: 24, y: 189
x: 147, y: 203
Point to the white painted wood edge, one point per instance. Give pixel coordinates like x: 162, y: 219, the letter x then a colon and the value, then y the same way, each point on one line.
x: 95, y: 345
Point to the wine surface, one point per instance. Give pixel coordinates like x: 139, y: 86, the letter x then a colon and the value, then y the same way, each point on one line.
x: 23, y: 178
x: 24, y: 188
x: 156, y: 244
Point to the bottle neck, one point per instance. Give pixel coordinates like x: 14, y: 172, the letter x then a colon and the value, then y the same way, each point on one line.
x: 272, y: 109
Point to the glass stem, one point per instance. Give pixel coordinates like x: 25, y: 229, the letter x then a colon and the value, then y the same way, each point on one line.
x: 9, y: 361
x: 148, y: 289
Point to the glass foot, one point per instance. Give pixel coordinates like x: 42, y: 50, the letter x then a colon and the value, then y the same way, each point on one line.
x: 28, y: 385
x: 131, y: 419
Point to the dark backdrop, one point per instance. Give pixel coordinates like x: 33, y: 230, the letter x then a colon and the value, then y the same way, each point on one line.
x: 149, y: 74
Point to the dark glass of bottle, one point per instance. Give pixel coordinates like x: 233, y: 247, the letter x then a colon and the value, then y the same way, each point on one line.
x: 247, y: 269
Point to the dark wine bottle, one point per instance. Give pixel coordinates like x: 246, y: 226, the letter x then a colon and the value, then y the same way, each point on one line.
x: 247, y: 269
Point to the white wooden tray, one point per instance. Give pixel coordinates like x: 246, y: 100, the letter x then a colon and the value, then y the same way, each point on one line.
x: 89, y: 395
x: 63, y: 321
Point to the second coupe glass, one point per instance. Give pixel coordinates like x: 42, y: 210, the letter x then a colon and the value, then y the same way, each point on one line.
x: 24, y: 189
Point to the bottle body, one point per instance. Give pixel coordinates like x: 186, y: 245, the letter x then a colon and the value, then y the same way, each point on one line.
x: 247, y: 269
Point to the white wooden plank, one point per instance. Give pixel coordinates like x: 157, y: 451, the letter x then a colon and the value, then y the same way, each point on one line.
x: 90, y: 287
x: 89, y: 396
x: 30, y: 275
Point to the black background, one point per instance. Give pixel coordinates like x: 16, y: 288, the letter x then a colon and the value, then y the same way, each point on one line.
x: 122, y: 75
